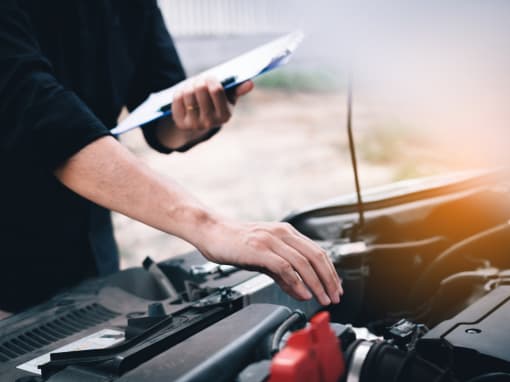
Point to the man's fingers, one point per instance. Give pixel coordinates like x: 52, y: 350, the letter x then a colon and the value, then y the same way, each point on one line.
x: 317, y: 257
x: 284, y: 274
x: 178, y: 108
x: 219, y: 99
x: 205, y: 105
x: 318, y: 248
x: 320, y: 263
x: 191, y: 107
x: 303, y: 267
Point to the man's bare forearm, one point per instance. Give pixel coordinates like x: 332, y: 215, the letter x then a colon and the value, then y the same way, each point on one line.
x: 108, y: 174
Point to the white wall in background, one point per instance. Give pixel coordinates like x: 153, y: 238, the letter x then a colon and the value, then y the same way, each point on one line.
x: 225, y: 17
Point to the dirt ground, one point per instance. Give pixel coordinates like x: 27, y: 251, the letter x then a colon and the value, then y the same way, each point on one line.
x: 281, y: 151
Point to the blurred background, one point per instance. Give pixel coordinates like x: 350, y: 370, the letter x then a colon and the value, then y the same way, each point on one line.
x: 431, y: 85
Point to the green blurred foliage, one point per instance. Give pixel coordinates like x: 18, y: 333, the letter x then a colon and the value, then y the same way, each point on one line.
x: 307, y: 81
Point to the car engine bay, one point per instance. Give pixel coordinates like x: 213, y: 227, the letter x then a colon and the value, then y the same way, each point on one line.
x: 428, y: 274
x: 427, y: 298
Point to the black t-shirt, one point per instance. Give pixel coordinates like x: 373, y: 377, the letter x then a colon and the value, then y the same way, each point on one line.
x: 67, y: 67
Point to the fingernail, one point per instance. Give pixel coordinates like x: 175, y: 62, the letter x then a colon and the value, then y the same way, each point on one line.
x: 307, y: 295
x: 326, y: 299
x: 340, y: 288
x: 336, y: 298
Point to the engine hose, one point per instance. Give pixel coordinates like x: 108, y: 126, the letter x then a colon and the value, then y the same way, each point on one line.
x: 433, y: 243
x: 297, y: 318
x: 369, y: 361
x: 479, y: 243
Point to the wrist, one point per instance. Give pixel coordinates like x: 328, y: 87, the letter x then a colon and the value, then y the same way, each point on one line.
x: 210, y: 234
x: 174, y: 138
x: 194, y: 224
x: 171, y: 136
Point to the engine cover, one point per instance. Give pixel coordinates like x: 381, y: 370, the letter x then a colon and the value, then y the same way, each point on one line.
x: 476, y: 339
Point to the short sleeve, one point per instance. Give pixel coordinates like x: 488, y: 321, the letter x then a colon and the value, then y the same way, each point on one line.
x: 40, y: 119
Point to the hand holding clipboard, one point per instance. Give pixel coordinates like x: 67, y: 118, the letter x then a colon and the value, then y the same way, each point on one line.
x: 231, y: 73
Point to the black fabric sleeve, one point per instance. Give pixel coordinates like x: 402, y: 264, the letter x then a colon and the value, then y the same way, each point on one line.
x: 160, y: 68
x: 40, y: 120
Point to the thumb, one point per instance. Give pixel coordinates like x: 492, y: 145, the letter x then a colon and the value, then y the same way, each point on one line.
x: 239, y: 91
x: 244, y: 88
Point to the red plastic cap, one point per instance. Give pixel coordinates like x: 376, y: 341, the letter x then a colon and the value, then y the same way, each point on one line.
x: 312, y: 354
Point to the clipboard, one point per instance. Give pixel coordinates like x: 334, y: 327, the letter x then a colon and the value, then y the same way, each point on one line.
x: 231, y: 73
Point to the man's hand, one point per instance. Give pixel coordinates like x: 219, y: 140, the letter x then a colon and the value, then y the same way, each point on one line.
x: 199, y: 105
x: 295, y: 262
